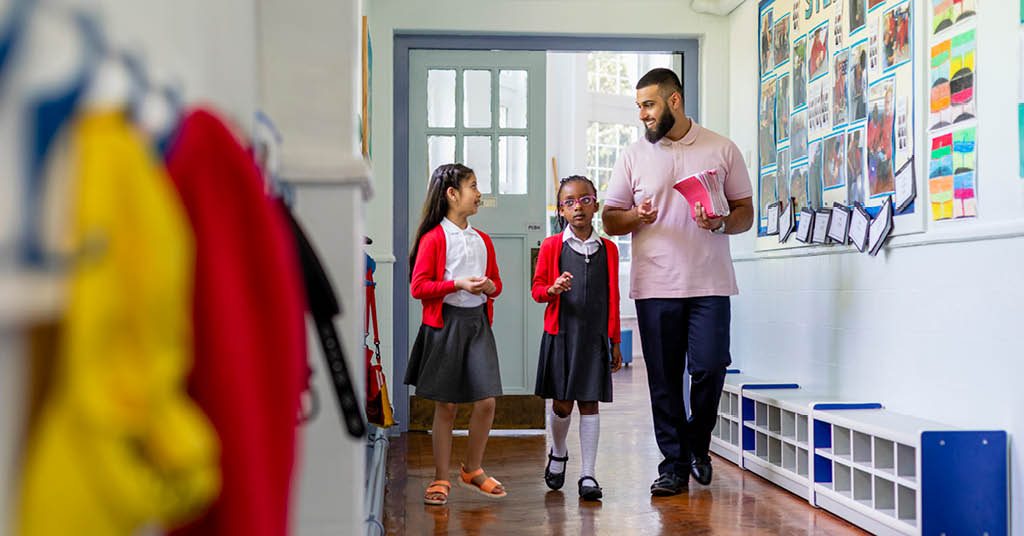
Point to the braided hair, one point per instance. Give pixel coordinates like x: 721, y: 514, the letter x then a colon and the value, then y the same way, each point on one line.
x: 558, y: 197
x: 435, y: 206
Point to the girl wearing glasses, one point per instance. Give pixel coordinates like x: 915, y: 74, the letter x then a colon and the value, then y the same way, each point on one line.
x: 578, y: 278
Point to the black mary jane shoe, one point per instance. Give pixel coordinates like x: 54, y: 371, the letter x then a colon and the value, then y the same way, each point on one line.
x: 555, y: 481
x: 589, y: 493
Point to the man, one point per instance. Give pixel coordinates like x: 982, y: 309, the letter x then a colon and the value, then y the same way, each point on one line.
x: 682, y: 274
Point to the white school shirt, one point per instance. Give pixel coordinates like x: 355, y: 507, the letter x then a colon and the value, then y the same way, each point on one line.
x: 465, y: 256
x: 584, y: 247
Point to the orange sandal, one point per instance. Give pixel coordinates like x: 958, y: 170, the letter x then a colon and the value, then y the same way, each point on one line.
x: 441, y: 487
x: 486, y: 488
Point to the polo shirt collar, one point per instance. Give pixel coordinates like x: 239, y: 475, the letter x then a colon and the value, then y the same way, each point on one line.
x: 688, y: 139
x: 450, y: 227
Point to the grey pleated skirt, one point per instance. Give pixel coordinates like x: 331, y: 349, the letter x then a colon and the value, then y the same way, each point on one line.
x: 458, y: 362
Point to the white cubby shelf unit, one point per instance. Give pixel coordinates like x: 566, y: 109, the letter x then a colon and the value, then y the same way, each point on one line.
x: 897, y: 474
x: 726, y: 438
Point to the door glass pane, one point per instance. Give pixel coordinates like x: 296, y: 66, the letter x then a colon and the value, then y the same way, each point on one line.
x: 440, y: 98
x: 477, y: 154
x: 441, y: 150
x: 513, y: 99
x: 476, y: 99
x: 512, y: 161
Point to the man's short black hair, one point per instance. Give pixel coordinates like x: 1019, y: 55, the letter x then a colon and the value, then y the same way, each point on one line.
x: 666, y: 79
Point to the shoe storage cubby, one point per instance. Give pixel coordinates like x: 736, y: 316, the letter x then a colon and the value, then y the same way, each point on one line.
x: 885, y: 472
x: 876, y: 458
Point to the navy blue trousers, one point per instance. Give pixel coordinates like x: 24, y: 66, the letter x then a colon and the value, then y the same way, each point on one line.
x: 679, y: 334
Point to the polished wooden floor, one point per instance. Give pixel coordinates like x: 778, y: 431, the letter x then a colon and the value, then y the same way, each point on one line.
x: 736, y: 503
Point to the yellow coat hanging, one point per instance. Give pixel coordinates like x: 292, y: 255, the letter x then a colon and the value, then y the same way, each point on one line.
x: 118, y: 443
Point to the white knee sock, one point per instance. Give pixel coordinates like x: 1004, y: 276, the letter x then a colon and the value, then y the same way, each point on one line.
x: 559, y: 431
x: 590, y: 432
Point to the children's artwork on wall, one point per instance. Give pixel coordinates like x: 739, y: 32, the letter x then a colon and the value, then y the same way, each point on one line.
x: 858, y: 15
x: 964, y: 165
x: 817, y: 62
x: 780, y: 41
x: 844, y: 102
x: 814, y: 176
x: 782, y: 179
x: 800, y: 72
x: 858, y: 81
x: 840, y: 88
x: 896, y: 36
x: 766, y: 42
x: 952, y: 81
x: 819, y: 109
x: 798, y: 135
x: 856, y: 164
x: 881, y: 116
x: 766, y: 132
x: 782, y: 109
x: 949, y: 13
x: 940, y: 177
x: 834, y: 162
x: 798, y: 186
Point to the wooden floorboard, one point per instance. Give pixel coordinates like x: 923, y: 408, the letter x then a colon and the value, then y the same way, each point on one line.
x: 736, y: 503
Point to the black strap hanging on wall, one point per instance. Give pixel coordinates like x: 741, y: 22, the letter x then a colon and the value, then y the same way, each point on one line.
x: 324, y: 306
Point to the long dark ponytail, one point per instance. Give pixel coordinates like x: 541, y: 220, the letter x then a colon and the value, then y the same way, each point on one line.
x: 435, y: 206
x: 558, y: 197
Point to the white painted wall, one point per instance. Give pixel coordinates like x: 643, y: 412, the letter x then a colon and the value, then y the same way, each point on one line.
x: 647, y: 18
x: 926, y: 329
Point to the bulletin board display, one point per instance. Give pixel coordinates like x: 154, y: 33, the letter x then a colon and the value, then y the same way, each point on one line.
x: 839, y: 99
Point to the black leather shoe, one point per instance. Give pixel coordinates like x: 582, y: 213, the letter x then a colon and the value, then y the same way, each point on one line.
x: 669, y: 484
x: 555, y: 480
x: 589, y: 493
x: 701, y: 469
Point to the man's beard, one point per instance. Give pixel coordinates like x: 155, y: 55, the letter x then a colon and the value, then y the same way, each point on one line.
x: 665, y: 124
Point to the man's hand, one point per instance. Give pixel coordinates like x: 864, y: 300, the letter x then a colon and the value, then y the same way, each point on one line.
x: 647, y: 212
x: 562, y: 284
x: 704, y: 222
x: 616, y: 357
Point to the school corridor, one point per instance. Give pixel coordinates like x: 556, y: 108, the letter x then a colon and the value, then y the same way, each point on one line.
x: 736, y: 503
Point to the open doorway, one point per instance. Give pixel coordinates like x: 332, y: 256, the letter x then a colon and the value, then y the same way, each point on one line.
x: 589, y: 115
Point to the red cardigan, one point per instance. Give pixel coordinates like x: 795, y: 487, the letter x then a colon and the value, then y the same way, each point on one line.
x: 548, y: 272
x: 428, y: 284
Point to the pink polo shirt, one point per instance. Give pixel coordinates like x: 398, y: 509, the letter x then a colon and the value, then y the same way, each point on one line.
x: 673, y: 257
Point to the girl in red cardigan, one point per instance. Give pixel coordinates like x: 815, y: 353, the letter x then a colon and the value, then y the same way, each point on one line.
x: 578, y: 277
x: 454, y: 358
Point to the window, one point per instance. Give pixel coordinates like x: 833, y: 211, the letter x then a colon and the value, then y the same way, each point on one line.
x: 605, y: 142
x: 608, y: 72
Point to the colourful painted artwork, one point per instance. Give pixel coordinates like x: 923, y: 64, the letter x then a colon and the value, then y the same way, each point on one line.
x: 952, y: 81
x: 964, y: 165
x: 881, y: 116
x: 834, y: 162
x: 840, y: 88
x: 800, y: 72
x: 896, y: 36
x: 940, y: 177
x: 858, y: 81
x: 855, y: 165
x: 948, y: 13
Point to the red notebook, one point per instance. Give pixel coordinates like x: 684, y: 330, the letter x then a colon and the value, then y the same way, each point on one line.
x: 704, y: 188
